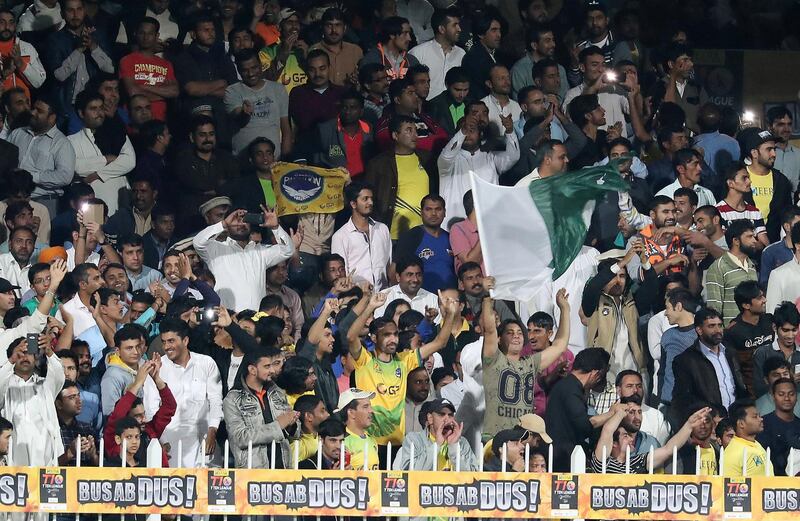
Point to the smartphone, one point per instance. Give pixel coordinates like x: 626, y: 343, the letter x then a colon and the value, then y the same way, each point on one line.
x: 254, y: 218
x: 210, y: 316
x: 611, y: 76
x: 93, y: 213
x: 33, y: 343
x: 796, y: 368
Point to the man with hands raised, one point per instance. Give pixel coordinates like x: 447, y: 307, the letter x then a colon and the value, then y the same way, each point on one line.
x: 238, y: 262
x: 616, y: 439
x: 385, y: 371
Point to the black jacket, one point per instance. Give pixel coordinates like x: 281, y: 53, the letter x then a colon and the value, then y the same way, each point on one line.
x: 568, y: 423
x: 478, y: 63
x: 439, y: 109
x: 781, y: 199
x: 696, y: 382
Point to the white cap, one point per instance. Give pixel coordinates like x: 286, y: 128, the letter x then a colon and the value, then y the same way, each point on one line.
x: 352, y: 394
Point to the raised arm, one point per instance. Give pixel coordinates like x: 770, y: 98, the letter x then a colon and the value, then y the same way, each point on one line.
x: 376, y: 300
x: 561, y: 341
x: 618, y: 412
x: 662, y: 454
x: 331, y: 305
x: 451, y: 309
x: 489, y: 327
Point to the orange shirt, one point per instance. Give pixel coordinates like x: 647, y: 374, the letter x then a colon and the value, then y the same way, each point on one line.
x: 269, y: 33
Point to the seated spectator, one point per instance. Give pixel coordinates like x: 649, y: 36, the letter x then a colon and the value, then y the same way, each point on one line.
x: 356, y: 410
x: 750, y: 332
x: 448, y: 107
x: 478, y: 61
x: 318, y: 99
x: 775, y: 368
x: 131, y: 249
x: 68, y: 406
x: 344, y: 56
x: 312, y: 413
x: 783, y: 283
x: 540, y: 330
x: 373, y: 78
x: 785, y: 324
x: 331, y: 432
x: 346, y: 140
x: 19, y: 187
x: 391, y: 51
x: 744, y: 455
x: 782, y: 426
x: 781, y: 251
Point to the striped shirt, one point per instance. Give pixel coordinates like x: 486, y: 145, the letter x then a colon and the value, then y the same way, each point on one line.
x: 750, y: 212
x: 722, y: 277
x: 614, y: 466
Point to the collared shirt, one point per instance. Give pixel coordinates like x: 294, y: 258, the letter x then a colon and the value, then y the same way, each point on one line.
x: 15, y: 273
x: 292, y: 300
x: 367, y: 253
x: 511, y: 108
x: 90, y: 160
x: 615, y: 105
x: 463, y: 237
x: 344, y: 60
x: 143, y: 279
x: 142, y: 221
x: 197, y: 389
x: 528, y: 179
x: 704, y: 195
x: 727, y: 388
x: 431, y: 53
x: 783, y: 285
x: 714, y: 143
x: 423, y: 299
x: 787, y: 160
x: 49, y: 157
x: 557, y: 130
x: 69, y: 433
x: 240, y: 271
x: 82, y: 317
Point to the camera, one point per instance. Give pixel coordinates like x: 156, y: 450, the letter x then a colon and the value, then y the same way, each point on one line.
x: 254, y: 218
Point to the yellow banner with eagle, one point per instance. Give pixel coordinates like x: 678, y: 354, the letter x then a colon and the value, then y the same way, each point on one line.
x: 301, y: 188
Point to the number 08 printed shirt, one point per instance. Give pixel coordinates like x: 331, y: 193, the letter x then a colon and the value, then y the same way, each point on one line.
x: 508, y: 386
x: 388, y: 381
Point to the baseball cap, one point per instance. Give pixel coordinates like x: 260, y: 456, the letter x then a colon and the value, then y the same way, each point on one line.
x: 352, y: 394
x: 285, y: 14
x: 535, y: 423
x: 437, y: 405
x: 6, y: 286
x: 506, y: 436
x: 752, y: 138
x: 596, y: 5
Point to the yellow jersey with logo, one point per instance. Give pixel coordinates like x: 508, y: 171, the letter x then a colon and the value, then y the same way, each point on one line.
x: 292, y: 73
x: 735, y: 457
x: 388, y: 381
x: 763, y: 189
x: 708, y: 462
x: 355, y: 446
x: 412, y: 186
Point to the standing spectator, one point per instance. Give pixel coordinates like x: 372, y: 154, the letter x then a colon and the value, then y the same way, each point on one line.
x: 317, y: 100
x: 138, y: 219
x: 161, y: 237
x: 363, y: 243
x: 569, y: 424
x: 541, y: 45
x: 669, y: 139
x: 400, y: 178
x: 331, y: 432
x: 596, y: 81
x: 347, y: 140
x: 409, y: 274
x: 449, y: 107
x: 104, y: 173
x: 260, y: 107
x: 68, y: 406
x: 15, y: 264
x: 771, y: 190
x: 277, y: 275
x: 629, y: 384
x: 750, y: 331
x: 679, y: 86
x: 123, y: 363
x: 45, y: 153
x: 391, y: 51
x: 498, y: 101
x: 464, y: 155
x: 419, y: 13
x: 431, y: 245
x: 747, y: 423
x: 356, y: 410
x: 144, y: 73
x: 131, y: 249
x: 736, y: 205
x: 318, y: 348
x: 238, y: 263
x: 202, y: 168
x: 442, y: 52
x: 785, y: 320
x: 195, y: 383
x: 24, y: 71
x: 706, y: 372
x: 599, y: 35
x: 253, y: 191
x: 733, y: 268
x: 204, y: 71
x: 252, y: 415
x: 781, y: 251
x: 344, y: 56
x: 680, y: 307
x: 773, y: 368
x: 283, y: 60
x: 779, y: 121
x: 487, y: 34
x: 374, y: 81
x: 75, y: 55
x: 719, y: 150
x: 784, y: 284
x: 540, y: 330
x: 312, y: 413
x: 87, y: 277
x: 418, y: 395
x: 406, y: 102
x: 781, y: 427
x: 686, y: 163
x: 19, y: 187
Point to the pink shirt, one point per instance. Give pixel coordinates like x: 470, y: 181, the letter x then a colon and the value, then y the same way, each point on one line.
x: 463, y: 237
x: 539, y: 396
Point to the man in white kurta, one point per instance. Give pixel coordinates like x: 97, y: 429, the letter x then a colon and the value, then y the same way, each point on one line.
x: 105, y: 173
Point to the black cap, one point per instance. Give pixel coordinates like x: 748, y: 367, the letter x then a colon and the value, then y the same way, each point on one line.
x: 437, y: 405
x: 6, y: 286
x: 752, y: 138
x: 508, y: 435
x: 596, y: 5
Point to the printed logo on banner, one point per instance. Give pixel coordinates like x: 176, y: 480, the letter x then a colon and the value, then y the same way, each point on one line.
x: 564, y: 495
x: 654, y: 498
x: 484, y: 495
x: 738, y: 498
x: 394, y: 493
x: 311, y: 493
x: 52, y: 489
x: 302, y: 186
x: 221, y: 491
x: 140, y: 491
x: 14, y: 490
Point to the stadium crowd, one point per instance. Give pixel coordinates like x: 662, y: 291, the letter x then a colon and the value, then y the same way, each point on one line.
x: 150, y: 291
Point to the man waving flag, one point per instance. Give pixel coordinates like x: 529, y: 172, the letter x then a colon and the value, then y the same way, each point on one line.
x: 531, y: 233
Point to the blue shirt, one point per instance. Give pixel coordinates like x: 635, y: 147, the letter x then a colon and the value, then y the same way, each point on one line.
x: 90, y: 409
x: 727, y: 388
x: 775, y: 255
x: 674, y: 341
x: 437, y: 261
x: 556, y: 129
x: 143, y: 279
x: 718, y: 149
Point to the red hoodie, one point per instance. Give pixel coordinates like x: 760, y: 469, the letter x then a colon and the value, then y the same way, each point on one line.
x: 154, y: 428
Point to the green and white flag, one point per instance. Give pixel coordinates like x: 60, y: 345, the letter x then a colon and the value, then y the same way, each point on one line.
x: 532, y: 233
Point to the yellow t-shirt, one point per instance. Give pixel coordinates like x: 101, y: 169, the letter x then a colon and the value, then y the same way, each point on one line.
x: 308, y: 443
x: 412, y: 186
x: 355, y: 444
x: 708, y: 461
x: 763, y: 191
x: 388, y: 381
x: 756, y: 458
x: 292, y: 398
x: 292, y: 73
